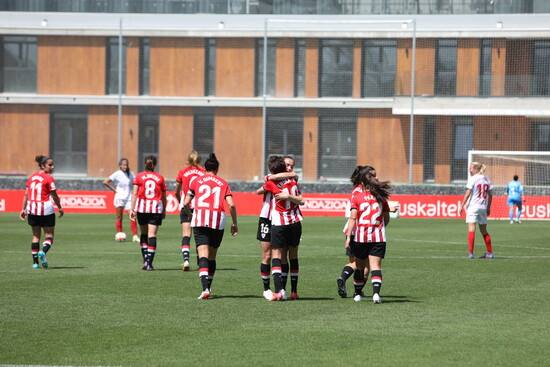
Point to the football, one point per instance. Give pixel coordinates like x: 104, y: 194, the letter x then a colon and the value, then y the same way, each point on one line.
x: 120, y: 236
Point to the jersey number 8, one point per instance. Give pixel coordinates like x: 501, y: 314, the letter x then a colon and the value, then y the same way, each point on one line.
x: 150, y: 186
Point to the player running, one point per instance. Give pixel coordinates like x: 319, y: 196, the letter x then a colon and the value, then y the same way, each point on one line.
x: 514, y: 190
x: 208, y: 219
x: 477, y: 204
x: 185, y: 176
x: 120, y: 182
x: 149, y: 206
x: 368, y: 219
x: 286, y: 228
x: 38, y: 209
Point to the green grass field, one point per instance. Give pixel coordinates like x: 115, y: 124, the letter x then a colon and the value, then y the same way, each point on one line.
x: 94, y: 306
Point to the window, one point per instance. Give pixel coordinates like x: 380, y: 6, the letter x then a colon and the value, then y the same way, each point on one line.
x: 300, y: 68
x: 284, y: 135
x: 69, y: 140
x: 445, y: 68
x: 270, y: 75
x: 148, y: 135
x: 210, y: 69
x: 144, y: 65
x: 485, y: 68
x: 463, y: 141
x: 336, y: 68
x: 337, y: 143
x: 112, y: 66
x: 541, y: 68
x: 379, y: 63
x: 203, y: 132
x: 538, y: 173
x: 429, y: 148
x: 18, y: 64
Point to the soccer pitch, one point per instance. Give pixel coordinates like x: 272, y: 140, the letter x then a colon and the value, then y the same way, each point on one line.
x: 94, y: 306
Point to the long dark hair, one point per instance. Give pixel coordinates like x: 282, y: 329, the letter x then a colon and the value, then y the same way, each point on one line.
x: 212, y: 164
x: 127, y: 173
x: 150, y: 162
x: 379, y: 189
x: 355, y: 178
x: 276, y: 164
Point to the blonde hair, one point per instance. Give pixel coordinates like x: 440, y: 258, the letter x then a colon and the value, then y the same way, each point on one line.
x: 479, y: 167
x: 194, y: 159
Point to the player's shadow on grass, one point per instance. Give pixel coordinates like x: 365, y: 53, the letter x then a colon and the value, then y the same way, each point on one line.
x: 397, y: 299
x: 242, y: 296
x: 193, y: 271
x: 66, y: 267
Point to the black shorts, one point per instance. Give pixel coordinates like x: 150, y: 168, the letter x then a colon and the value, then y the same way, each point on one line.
x: 41, y: 220
x: 362, y: 250
x: 208, y: 236
x: 264, y: 230
x: 284, y: 236
x: 184, y: 218
x: 149, y: 218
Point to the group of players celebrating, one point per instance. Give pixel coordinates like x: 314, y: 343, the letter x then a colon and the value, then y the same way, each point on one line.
x: 202, y: 194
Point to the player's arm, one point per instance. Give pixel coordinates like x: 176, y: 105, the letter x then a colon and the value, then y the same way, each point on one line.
x: 465, y: 200
x: 178, y: 191
x: 386, y: 212
x: 57, y: 202
x: 233, y: 211
x: 134, y: 199
x: 23, y: 213
x: 489, y: 201
x: 351, y: 226
x: 281, y: 176
x: 108, y: 183
x: 163, y: 199
x: 260, y: 191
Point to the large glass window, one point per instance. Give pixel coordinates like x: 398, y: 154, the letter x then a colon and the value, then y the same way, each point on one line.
x: 270, y: 75
x: 210, y: 69
x: 144, y: 66
x: 337, y: 143
x: 538, y: 172
x: 69, y: 141
x: 284, y: 134
x: 336, y: 68
x: 113, y: 65
x: 300, y: 68
x: 429, y: 148
x: 18, y: 64
x: 379, y: 63
x: 148, y: 135
x: 463, y: 141
x: 445, y: 68
x: 541, y: 68
x: 485, y: 67
x: 203, y: 132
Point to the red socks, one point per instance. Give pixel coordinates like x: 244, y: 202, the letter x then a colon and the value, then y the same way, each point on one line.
x: 118, y: 225
x: 471, y: 240
x: 488, y: 245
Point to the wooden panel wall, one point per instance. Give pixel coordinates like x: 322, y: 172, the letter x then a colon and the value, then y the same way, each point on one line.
x: 498, y: 67
x: 176, y: 139
x: 425, y: 67
x: 519, y: 65
x: 103, y: 139
x: 132, y: 66
x: 238, y: 142
x: 357, y: 62
x: 284, y: 68
x: 467, y: 67
x: 443, y: 149
x: 312, y: 68
x: 25, y: 134
x: 71, y: 65
x: 235, y: 67
x: 177, y: 67
x: 310, y: 144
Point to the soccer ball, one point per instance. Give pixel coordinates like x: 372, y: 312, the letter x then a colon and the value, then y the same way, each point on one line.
x: 120, y: 236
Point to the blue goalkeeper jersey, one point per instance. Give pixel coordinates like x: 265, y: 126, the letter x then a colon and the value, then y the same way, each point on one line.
x: 514, y: 190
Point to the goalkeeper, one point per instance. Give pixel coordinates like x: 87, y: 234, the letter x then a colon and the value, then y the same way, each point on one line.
x: 514, y: 190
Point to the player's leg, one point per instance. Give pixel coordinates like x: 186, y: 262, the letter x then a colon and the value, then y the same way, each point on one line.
x: 265, y: 268
x: 152, y: 230
x: 35, y: 245
x: 119, y: 211
x: 471, y: 235
x: 295, y: 234
x: 48, y: 226
x: 359, y: 278
x: 375, y: 264
x: 185, y: 221
x: 487, y: 240
x: 276, y: 254
x: 284, y: 268
x: 202, y: 253
x: 212, y: 252
x: 520, y: 209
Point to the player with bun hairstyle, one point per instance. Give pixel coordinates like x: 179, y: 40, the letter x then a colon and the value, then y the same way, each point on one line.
x: 368, y: 219
x: 477, y: 204
x: 149, y: 206
x: 38, y: 209
x: 120, y: 182
x: 208, y: 219
x: 183, y: 179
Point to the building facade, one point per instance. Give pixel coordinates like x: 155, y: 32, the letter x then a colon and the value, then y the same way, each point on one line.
x: 333, y: 91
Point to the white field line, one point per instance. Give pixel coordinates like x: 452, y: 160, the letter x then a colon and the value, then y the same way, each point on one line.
x: 498, y: 244
x: 47, y: 365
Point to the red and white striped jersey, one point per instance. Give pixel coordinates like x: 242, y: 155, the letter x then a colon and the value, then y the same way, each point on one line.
x: 39, y: 188
x: 369, y: 225
x: 151, y: 187
x: 184, y: 178
x: 284, y: 212
x: 209, y: 193
x: 480, y: 186
x: 267, y: 205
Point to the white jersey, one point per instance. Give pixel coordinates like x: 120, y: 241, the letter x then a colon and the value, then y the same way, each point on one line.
x: 123, y: 184
x: 480, y: 187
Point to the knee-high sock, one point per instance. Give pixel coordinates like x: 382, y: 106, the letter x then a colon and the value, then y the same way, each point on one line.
x: 203, y: 272
x: 376, y: 279
x: 47, y: 244
x: 519, y: 214
x: 185, y: 247
x: 346, y: 272
x: 35, y: 247
x: 151, y: 249
x: 358, y: 281
x: 284, y: 274
x: 211, y: 272
x: 471, y: 241
x: 276, y: 273
x: 294, y: 271
x: 118, y: 224
x: 488, y: 245
x: 264, y: 274
x: 511, y: 213
x: 143, y: 245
